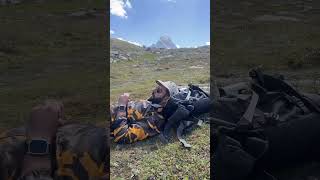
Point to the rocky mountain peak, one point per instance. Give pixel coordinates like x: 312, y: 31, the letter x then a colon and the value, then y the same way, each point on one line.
x: 164, y: 42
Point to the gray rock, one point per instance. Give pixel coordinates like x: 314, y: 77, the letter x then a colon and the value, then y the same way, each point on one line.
x: 78, y: 14
x: 123, y: 57
x: 267, y: 17
x: 83, y: 13
x: 7, y: 2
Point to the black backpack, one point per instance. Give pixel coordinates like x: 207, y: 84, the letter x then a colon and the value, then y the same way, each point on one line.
x: 183, y: 110
x: 262, y: 124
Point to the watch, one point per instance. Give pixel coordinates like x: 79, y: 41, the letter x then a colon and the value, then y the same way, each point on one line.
x: 122, y: 111
x: 122, y: 108
x: 38, y: 147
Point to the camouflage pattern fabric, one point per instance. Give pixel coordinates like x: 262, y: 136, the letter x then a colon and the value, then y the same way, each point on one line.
x: 41, y: 174
x: 143, y: 120
x: 11, y: 152
x: 81, y: 152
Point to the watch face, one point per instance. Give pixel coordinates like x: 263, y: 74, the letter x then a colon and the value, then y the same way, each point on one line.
x: 38, y: 147
x: 122, y: 108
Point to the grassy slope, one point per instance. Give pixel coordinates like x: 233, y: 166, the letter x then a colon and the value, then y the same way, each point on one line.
x: 124, y: 46
x: 242, y: 41
x: 46, y: 53
x: 150, y: 158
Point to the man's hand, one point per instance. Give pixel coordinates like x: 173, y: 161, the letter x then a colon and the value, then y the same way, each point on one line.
x: 123, y: 99
x: 43, y: 124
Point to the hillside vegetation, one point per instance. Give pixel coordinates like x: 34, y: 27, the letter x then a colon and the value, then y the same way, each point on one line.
x: 52, y: 49
x: 275, y: 34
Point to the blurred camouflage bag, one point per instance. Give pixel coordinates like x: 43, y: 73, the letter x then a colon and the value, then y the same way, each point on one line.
x: 12, y: 148
x: 80, y: 153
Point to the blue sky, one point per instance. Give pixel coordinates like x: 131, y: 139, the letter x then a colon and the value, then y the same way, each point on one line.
x: 187, y: 22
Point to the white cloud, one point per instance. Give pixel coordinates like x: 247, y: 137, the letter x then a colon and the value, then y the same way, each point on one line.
x: 174, y: 1
x: 177, y: 46
x: 118, y: 7
x: 208, y: 43
x: 128, y: 4
x: 111, y: 31
x: 135, y: 43
x: 131, y: 42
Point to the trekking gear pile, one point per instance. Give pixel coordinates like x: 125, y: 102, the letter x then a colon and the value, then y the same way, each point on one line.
x: 262, y: 124
x: 189, y: 104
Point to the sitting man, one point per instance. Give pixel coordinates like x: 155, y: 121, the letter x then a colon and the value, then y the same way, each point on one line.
x: 135, y: 121
x: 49, y: 148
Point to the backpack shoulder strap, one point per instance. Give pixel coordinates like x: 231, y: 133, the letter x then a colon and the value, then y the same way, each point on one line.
x: 272, y: 83
x: 246, y: 120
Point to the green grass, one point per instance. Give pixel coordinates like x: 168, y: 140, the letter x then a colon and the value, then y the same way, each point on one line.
x: 138, y: 78
x: 151, y: 158
x: 242, y: 42
x: 173, y: 161
x: 44, y: 53
x: 124, y: 46
x: 283, y: 47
